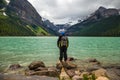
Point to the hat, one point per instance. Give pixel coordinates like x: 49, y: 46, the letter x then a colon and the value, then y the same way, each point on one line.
x: 62, y: 33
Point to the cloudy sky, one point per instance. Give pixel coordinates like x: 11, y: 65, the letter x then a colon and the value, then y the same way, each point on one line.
x: 63, y: 11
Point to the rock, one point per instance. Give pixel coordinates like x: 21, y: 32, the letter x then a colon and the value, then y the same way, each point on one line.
x: 1, y: 76
x: 92, y: 68
x: 42, y: 73
x: 102, y: 78
x: 94, y: 61
x: 53, y: 72
x: 68, y: 65
x: 15, y: 69
x: 113, y: 74
x: 64, y: 75
x: 84, y: 73
x: 117, y: 67
x: 100, y: 72
x: 71, y: 73
x: 34, y: 65
x: 29, y: 72
x: 70, y: 59
x: 40, y: 69
x: 78, y: 72
x: 22, y: 77
x: 76, y: 77
x: 24, y: 10
x: 59, y: 66
x: 14, y: 66
x: 102, y: 13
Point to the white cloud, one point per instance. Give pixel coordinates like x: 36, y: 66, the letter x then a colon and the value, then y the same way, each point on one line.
x: 62, y: 11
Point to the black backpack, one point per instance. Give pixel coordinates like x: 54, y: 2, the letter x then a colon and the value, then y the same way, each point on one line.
x: 63, y: 41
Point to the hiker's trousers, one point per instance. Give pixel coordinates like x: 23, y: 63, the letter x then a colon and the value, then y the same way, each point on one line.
x: 63, y: 53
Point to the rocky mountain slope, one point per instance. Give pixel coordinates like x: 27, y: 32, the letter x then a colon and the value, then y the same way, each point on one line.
x: 103, y: 22
x: 24, y: 10
x: 22, y: 15
x: 51, y: 26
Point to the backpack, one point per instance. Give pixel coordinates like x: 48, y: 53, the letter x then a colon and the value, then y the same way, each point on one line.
x: 63, y: 41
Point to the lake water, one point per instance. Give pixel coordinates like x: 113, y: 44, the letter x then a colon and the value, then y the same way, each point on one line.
x: 24, y: 50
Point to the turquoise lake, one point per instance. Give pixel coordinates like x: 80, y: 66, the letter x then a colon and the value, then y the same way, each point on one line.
x: 24, y: 50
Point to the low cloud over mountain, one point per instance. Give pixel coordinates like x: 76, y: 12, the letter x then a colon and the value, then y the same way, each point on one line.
x: 62, y: 11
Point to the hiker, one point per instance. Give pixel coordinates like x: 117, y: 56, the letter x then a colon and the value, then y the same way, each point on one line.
x: 63, y: 43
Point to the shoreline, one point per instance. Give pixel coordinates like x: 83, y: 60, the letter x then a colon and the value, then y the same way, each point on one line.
x: 78, y: 62
x: 73, y: 67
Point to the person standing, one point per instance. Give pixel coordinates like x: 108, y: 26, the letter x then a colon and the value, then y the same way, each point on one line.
x: 63, y: 44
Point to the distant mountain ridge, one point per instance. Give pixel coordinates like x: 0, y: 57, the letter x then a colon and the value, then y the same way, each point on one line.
x: 102, y: 13
x: 103, y: 22
x: 62, y: 27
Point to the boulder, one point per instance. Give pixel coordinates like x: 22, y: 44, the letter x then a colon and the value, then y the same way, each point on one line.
x: 64, y: 75
x: 71, y: 73
x: 40, y: 69
x: 14, y: 67
x: 77, y: 72
x: 94, y: 61
x: 92, y: 68
x: 102, y: 78
x: 100, y: 72
x: 34, y: 65
x: 29, y: 72
x: 70, y: 59
x: 76, y: 77
x: 68, y: 65
x: 53, y: 72
x: 113, y: 73
x: 59, y: 66
x: 40, y: 73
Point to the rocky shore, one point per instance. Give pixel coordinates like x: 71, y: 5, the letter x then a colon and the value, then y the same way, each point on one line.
x: 73, y: 69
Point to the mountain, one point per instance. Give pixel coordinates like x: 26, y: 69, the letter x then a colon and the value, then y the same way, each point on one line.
x: 22, y: 20
x: 56, y: 27
x: 102, y: 13
x: 50, y: 26
x: 63, y: 27
x: 103, y: 22
x: 24, y: 10
x: 2, y: 4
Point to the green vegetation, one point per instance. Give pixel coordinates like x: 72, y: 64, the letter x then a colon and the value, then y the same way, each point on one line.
x: 2, y: 4
x: 10, y: 27
x: 106, y: 27
x: 37, y: 30
x: 15, y: 27
x: 89, y: 77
